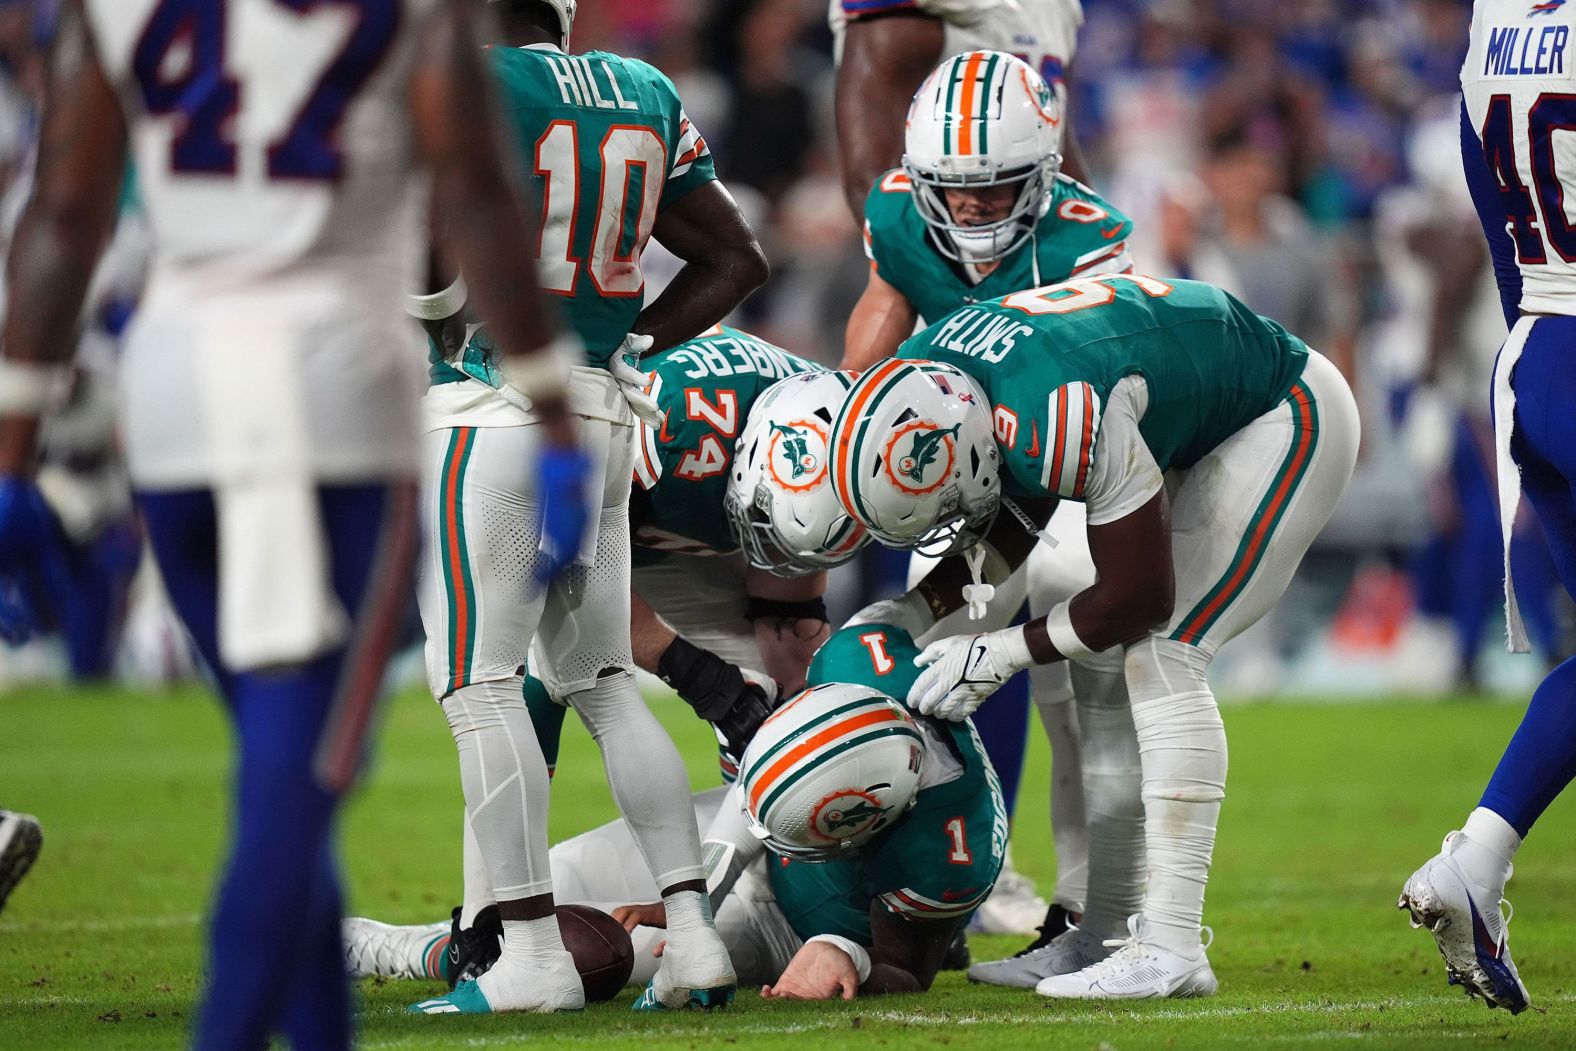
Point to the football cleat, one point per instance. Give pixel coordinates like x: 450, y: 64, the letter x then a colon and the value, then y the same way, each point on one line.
x: 957, y: 957
x: 21, y: 838
x: 1465, y: 920
x: 1014, y: 905
x: 382, y: 950
x: 542, y: 990
x: 695, y: 974
x: 1138, y: 970
x: 473, y: 950
x: 1071, y: 950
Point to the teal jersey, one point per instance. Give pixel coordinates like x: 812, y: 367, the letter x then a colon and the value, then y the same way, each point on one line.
x: 1078, y: 234
x: 1048, y: 358
x: 607, y: 146
x: 942, y: 859
x: 705, y: 388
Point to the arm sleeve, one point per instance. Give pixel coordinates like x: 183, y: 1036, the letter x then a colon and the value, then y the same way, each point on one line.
x: 1485, y: 196
x: 727, y: 847
x: 1124, y: 475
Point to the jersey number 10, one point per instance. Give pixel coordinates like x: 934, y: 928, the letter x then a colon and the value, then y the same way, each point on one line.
x: 180, y: 64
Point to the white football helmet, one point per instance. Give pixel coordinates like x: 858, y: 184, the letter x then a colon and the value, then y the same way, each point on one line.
x: 564, y: 9
x: 982, y: 118
x: 914, y: 457
x: 779, y: 502
x: 829, y: 770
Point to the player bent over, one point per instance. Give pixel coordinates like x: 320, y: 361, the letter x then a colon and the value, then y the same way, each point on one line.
x: 267, y: 400
x: 584, y: 124
x: 979, y: 209
x: 863, y: 898
x: 1209, y: 446
x: 1506, y: 113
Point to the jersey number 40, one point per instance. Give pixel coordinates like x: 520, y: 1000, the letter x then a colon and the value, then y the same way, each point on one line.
x: 1549, y: 114
x: 180, y: 65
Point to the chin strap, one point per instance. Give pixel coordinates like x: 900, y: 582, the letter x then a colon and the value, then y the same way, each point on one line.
x: 1042, y: 535
x: 1034, y: 253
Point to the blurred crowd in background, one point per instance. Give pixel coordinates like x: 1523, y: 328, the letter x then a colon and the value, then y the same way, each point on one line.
x: 1304, y: 155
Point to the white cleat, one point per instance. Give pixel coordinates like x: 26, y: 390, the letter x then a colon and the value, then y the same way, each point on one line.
x: 1014, y: 905
x: 695, y: 973
x: 382, y: 950
x: 1070, y: 951
x: 1138, y: 970
x: 509, y: 986
x: 21, y: 838
x: 1465, y: 920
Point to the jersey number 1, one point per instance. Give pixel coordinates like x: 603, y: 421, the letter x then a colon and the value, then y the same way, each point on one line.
x: 179, y: 62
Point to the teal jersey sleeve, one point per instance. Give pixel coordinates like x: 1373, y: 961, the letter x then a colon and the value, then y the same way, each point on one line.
x: 1079, y: 234
x: 942, y: 859
x: 705, y: 388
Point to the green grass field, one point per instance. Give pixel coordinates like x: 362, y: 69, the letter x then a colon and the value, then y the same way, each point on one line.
x: 1329, y: 807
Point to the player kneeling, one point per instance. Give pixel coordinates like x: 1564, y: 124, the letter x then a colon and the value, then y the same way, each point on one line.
x: 858, y: 840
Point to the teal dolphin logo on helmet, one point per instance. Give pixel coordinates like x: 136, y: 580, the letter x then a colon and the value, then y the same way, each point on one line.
x: 796, y: 450
x: 927, y: 446
x: 854, y: 816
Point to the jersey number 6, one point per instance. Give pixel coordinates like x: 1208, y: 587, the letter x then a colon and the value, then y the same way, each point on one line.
x: 179, y: 62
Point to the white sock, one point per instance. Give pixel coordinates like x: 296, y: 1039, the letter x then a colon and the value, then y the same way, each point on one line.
x: 1052, y: 691
x: 529, y: 947
x: 688, y: 910
x: 1113, y: 800
x: 1182, y: 751
x: 477, y: 881
x: 1490, y: 845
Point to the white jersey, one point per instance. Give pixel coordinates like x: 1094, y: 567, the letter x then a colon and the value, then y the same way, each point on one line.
x: 275, y: 161
x: 1044, y: 33
x: 1518, y: 81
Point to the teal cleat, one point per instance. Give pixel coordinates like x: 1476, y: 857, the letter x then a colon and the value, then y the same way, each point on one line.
x: 467, y: 999
x: 714, y: 999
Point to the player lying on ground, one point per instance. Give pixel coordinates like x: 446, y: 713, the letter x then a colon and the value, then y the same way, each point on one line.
x: 885, y: 48
x: 979, y: 209
x: 1510, y: 114
x: 268, y: 423
x: 912, y: 850
x: 1209, y: 445
x: 583, y: 124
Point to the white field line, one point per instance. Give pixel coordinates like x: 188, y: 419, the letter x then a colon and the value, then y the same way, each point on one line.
x: 941, y: 1019
x: 136, y: 923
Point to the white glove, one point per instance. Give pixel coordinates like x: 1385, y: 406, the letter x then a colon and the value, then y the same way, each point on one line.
x: 908, y: 611
x: 632, y: 383
x: 961, y: 671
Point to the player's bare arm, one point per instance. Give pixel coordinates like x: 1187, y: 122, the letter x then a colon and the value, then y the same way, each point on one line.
x: 906, y: 954
x: 1135, y: 587
x: 942, y: 588
x: 723, y: 264
x: 81, y: 159
x: 480, y: 210
x: 884, y: 60
x: 790, y: 623
x: 882, y: 319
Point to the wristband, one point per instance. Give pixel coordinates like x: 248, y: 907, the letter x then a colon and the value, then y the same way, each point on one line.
x: 1059, y: 626
x: 856, y: 952
x: 705, y: 681
x: 543, y: 373
x: 31, y: 389
x: 1015, y: 644
x: 757, y: 608
x: 439, y: 305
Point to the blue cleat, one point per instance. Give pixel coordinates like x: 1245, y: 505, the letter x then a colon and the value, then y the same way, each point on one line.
x: 467, y: 999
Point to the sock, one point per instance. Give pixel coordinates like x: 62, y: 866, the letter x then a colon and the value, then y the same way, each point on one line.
x: 1487, y: 848
x: 1541, y: 757
x: 1113, y: 800
x: 647, y: 776
x: 688, y: 910
x: 477, y: 880
x: 1052, y: 693
x: 1182, y: 753
x: 529, y: 947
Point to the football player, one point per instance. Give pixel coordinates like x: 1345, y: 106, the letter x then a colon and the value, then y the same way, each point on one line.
x: 268, y: 396
x: 587, y: 126
x: 979, y: 209
x: 865, y: 900
x: 885, y: 48
x: 1516, y: 82
x: 1209, y: 446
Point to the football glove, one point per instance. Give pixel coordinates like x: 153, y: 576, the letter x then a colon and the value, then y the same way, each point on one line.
x: 961, y: 671
x: 632, y: 383
x: 561, y: 486
x: 734, y: 700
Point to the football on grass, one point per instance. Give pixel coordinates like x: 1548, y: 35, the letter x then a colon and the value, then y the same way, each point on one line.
x: 603, y: 953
